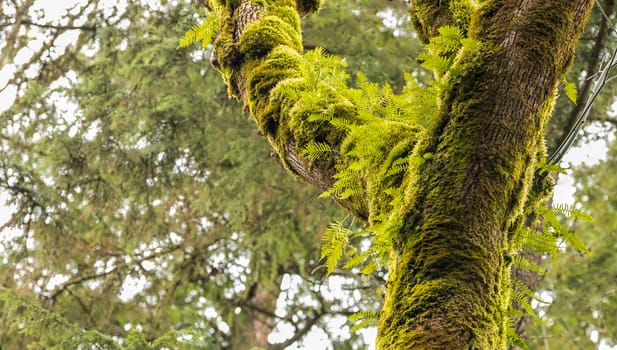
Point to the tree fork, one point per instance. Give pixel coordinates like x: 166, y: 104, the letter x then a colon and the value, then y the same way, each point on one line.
x: 449, y: 276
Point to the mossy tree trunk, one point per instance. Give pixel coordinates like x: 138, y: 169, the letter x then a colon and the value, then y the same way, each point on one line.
x: 449, y: 278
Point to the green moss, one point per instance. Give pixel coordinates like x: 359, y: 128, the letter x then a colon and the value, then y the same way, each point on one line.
x: 306, y: 7
x: 428, y: 16
x: 462, y: 11
x: 262, y: 36
x: 226, y: 52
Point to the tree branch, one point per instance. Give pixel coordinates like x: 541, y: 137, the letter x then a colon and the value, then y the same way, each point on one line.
x: 427, y: 16
x: 50, y: 26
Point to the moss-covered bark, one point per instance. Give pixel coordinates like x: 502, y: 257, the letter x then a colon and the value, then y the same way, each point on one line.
x: 449, y: 274
x: 449, y: 280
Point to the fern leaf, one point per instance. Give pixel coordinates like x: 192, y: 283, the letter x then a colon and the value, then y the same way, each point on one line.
x: 569, y: 88
x: 523, y: 300
x: 513, y: 338
x: 321, y: 116
x: 356, y: 260
x: 398, y: 166
x: 573, y: 241
x: 315, y: 150
x: 439, y: 64
x: 525, y: 264
x: 363, y: 319
x: 341, y: 123
x: 334, y: 242
x: 550, y: 168
x: 535, y: 241
x: 552, y: 222
x: 571, y: 212
x: 523, y: 288
x: 351, y: 191
x: 470, y: 44
x: 449, y: 38
x: 203, y: 32
x: 369, y: 268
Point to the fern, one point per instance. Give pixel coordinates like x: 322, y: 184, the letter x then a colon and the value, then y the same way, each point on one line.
x: 346, y: 185
x: 571, y: 212
x: 523, y: 300
x: 439, y: 64
x: 356, y: 260
x: 398, y: 166
x: 369, y: 268
x: 321, y: 67
x: 512, y: 336
x: 570, y: 90
x: 535, y: 241
x: 315, y: 150
x: 550, y: 167
x: 334, y: 242
x: 571, y: 240
x: 449, y: 39
x: 363, y: 319
x: 204, y: 31
x: 523, y: 263
x: 341, y: 123
x: 552, y: 223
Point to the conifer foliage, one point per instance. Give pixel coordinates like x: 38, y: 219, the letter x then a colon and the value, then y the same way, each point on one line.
x: 148, y: 212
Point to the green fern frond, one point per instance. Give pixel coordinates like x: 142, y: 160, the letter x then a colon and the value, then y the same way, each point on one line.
x: 523, y: 300
x: 365, y: 156
x: 552, y: 223
x: 513, y: 338
x: 341, y: 123
x: 320, y: 67
x: 571, y: 212
x: 570, y: 90
x: 369, y: 268
x: 525, y: 264
x: 535, y: 241
x: 545, y: 167
x: 315, y: 150
x: 203, y: 32
x: 364, y: 319
x: 334, y: 242
x: 351, y: 191
x: 520, y: 286
x: 319, y: 116
x: 571, y: 240
x: 398, y: 166
x: 439, y: 64
x: 356, y: 260
x: 345, y: 186
x: 449, y: 39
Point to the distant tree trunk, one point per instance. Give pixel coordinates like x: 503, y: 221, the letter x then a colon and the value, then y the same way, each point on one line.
x: 449, y: 277
x: 260, y: 320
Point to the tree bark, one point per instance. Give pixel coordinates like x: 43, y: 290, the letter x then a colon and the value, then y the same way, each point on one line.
x: 449, y: 277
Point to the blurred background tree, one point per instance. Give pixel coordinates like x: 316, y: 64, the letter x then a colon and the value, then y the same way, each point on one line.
x: 144, y: 200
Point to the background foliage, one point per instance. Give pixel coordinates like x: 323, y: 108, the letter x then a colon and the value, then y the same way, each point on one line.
x: 149, y: 212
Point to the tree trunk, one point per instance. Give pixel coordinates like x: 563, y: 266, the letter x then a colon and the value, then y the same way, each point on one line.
x: 449, y: 281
